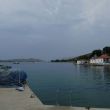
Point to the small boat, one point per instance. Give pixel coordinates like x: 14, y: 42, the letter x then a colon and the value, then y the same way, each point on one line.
x: 15, y: 62
x: 20, y: 88
x: 20, y: 85
x: 5, y: 67
x: 13, y: 78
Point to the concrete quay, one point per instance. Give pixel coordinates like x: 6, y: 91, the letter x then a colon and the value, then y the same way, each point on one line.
x: 11, y: 99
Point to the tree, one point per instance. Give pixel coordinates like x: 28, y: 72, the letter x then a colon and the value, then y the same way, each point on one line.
x: 106, y: 50
x: 96, y: 52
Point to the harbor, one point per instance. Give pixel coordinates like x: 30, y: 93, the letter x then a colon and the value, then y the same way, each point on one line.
x: 79, y: 87
x: 55, y: 55
x: 14, y: 98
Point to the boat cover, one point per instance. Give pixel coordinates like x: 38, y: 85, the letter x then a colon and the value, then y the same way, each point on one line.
x: 13, y: 78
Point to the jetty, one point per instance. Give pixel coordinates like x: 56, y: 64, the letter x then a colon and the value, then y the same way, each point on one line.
x: 11, y: 99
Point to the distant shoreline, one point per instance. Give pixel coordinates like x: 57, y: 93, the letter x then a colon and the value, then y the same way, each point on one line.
x: 22, y: 60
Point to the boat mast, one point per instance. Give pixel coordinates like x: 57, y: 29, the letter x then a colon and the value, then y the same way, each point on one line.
x: 19, y: 77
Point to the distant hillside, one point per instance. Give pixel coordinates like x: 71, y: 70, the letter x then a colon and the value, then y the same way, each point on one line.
x: 85, y: 56
x: 98, y: 52
x: 74, y: 59
x: 22, y: 60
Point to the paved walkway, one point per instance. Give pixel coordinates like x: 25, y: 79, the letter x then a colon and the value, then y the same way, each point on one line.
x: 11, y: 99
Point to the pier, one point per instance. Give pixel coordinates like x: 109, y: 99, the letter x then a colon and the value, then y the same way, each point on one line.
x: 11, y: 99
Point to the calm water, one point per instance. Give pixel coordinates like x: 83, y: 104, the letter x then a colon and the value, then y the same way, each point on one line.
x: 69, y: 84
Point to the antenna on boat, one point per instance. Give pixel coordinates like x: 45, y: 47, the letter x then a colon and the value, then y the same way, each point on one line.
x: 19, y: 78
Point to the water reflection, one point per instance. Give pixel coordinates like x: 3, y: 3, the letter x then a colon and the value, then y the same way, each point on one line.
x: 100, y: 75
x: 107, y: 75
x: 91, y: 72
x: 96, y: 72
x: 96, y: 84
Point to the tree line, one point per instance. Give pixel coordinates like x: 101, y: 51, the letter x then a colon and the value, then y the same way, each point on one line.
x: 94, y: 53
x: 105, y: 50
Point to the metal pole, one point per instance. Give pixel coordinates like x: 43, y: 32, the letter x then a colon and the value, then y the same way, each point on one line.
x: 70, y: 97
x: 19, y: 77
x: 57, y: 91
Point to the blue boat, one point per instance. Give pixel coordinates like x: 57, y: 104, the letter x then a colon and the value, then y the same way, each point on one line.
x: 17, y: 78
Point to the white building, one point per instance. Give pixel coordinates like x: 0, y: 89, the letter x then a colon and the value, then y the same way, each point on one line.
x: 96, y: 61
x: 79, y: 62
x: 103, y: 59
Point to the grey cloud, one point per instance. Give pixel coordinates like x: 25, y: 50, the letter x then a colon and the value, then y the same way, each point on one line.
x: 53, y: 28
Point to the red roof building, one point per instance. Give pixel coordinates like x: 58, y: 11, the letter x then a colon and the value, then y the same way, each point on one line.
x: 103, y: 59
x: 104, y: 56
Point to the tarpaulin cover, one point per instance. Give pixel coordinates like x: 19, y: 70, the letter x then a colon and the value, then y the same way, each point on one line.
x: 14, y: 78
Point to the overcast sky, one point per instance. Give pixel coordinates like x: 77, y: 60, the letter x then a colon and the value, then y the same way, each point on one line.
x: 50, y: 29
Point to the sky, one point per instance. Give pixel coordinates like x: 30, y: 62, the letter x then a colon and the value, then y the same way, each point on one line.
x: 51, y: 29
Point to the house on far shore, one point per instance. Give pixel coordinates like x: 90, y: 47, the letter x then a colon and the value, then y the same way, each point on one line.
x: 103, y: 59
x: 80, y: 62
